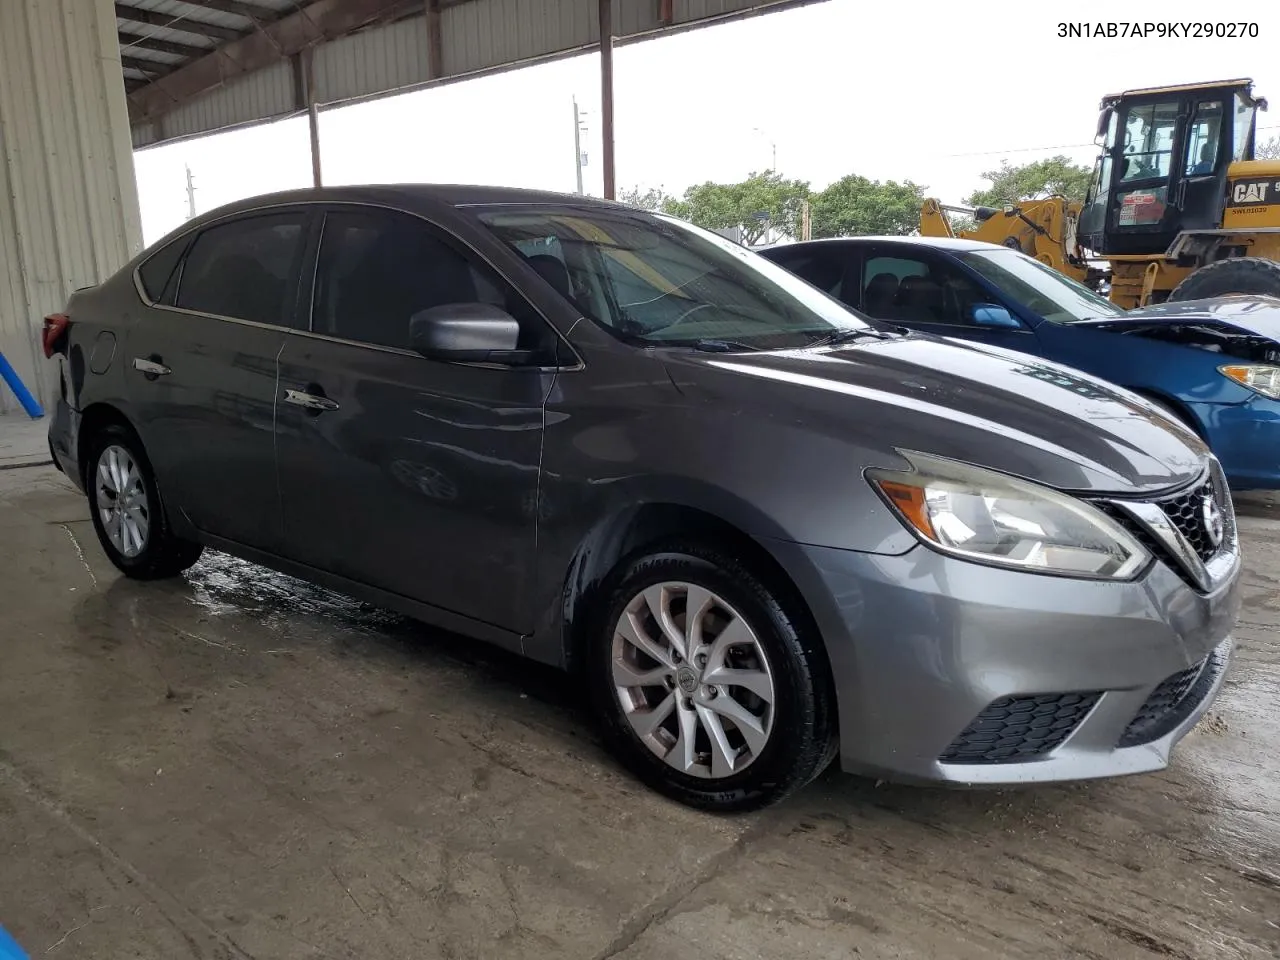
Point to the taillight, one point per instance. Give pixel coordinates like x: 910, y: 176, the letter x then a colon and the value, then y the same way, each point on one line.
x: 55, y: 325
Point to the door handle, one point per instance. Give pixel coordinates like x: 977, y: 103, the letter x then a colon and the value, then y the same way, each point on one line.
x: 150, y: 367
x: 309, y: 401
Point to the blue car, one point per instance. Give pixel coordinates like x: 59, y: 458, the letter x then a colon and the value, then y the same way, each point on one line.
x: 1212, y: 364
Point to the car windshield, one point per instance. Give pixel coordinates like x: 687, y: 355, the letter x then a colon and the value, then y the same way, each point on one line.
x: 1039, y: 287
x: 656, y: 280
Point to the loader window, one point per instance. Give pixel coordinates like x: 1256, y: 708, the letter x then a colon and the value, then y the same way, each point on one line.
x: 1148, y: 141
x: 1242, y: 146
x: 1203, y: 138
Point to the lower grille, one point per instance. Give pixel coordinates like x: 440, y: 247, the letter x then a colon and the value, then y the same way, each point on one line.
x: 1187, y: 514
x: 1173, y: 701
x: 1018, y: 729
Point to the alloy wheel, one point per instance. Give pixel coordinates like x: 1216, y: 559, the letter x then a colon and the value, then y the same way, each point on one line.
x: 693, y: 680
x: 122, y: 501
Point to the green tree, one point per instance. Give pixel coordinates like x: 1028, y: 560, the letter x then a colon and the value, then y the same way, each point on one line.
x: 654, y: 198
x: 854, y: 205
x: 1032, y: 181
x: 1268, y: 149
x: 723, y: 206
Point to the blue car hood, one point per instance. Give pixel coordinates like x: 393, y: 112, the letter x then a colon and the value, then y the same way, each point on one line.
x: 1252, y: 314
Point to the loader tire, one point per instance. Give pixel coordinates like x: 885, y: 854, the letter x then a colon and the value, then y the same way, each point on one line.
x: 1244, y: 275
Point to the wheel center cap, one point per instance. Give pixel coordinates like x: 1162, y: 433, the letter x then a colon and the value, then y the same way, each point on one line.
x: 687, y: 679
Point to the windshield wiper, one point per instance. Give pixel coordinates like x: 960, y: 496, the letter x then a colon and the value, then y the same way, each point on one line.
x: 856, y: 333
x: 715, y: 345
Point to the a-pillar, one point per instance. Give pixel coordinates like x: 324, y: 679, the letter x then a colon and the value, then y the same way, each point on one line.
x: 68, y: 199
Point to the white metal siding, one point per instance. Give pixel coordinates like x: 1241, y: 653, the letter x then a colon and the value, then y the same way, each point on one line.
x: 490, y: 33
x: 476, y: 36
x: 372, y: 61
x: 68, y: 201
x: 265, y: 94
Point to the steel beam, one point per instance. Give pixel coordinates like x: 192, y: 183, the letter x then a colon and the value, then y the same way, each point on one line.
x: 128, y: 39
x: 154, y: 68
x: 606, y: 97
x: 320, y: 21
x: 185, y: 24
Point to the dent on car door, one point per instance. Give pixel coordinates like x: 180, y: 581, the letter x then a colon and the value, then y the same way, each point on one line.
x: 202, y: 373
x: 414, y: 476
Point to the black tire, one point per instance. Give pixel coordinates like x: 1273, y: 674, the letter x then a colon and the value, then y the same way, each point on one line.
x: 802, y: 741
x: 1244, y: 275
x: 162, y: 555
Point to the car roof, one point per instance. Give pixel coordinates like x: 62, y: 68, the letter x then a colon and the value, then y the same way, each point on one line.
x: 411, y: 194
x: 940, y: 243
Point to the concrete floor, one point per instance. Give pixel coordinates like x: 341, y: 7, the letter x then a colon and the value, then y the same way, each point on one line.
x: 239, y: 765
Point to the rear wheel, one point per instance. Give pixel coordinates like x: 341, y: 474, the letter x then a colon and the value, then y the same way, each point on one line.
x: 127, y: 512
x: 705, y: 687
x: 1243, y: 275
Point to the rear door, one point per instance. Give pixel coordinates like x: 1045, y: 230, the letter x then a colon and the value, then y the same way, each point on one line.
x: 415, y: 476
x: 202, y: 371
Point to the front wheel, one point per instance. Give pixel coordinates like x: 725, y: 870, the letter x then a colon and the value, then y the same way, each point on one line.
x: 1235, y: 275
x: 128, y: 517
x: 705, y: 686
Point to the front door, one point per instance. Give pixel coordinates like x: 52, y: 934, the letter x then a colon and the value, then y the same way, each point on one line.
x: 1205, y: 156
x: 1144, y: 215
x: 201, y: 368
x: 414, y: 476
x: 922, y: 291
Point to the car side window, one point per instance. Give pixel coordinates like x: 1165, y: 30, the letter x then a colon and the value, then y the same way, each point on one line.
x: 822, y: 268
x: 377, y: 268
x: 159, y: 272
x: 918, y: 289
x: 246, y: 269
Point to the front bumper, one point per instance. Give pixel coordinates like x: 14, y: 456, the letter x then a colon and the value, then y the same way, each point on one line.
x: 939, y: 663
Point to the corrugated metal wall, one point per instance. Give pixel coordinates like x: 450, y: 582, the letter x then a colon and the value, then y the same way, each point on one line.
x: 68, y: 201
x: 476, y: 36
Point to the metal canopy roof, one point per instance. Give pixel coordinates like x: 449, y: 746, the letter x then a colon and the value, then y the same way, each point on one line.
x: 193, y: 67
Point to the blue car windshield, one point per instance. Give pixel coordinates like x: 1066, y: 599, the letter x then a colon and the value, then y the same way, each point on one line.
x: 659, y: 281
x: 1038, y: 287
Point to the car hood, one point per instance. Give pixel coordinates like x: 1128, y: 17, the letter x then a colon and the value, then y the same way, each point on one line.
x: 1252, y: 314
x: 997, y: 409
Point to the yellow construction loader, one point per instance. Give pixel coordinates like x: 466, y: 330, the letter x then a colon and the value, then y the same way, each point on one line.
x: 1178, y: 208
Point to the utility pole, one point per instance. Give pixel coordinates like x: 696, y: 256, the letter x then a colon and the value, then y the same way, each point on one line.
x: 577, y: 143
x: 191, y: 196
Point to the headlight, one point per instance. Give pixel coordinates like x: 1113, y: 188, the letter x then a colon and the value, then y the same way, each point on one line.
x: 993, y: 518
x: 1260, y: 377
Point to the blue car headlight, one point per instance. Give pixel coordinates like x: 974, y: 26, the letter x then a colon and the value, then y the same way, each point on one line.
x: 993, y: 518
x: 1263, y: 378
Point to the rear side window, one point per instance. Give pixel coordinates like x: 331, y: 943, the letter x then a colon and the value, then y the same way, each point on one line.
x: 159, y: 273
x: 825, y: 269
x: 246, y: 269
x: 378, y: 268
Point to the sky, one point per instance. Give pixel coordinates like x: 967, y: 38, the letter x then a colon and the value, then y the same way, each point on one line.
x: 933, y: 92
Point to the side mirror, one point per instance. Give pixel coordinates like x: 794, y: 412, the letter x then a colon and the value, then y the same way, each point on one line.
x: 993, y: 315
x: 465, y: 332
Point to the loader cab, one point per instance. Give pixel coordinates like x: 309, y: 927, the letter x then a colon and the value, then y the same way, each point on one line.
x: 1163, y: 167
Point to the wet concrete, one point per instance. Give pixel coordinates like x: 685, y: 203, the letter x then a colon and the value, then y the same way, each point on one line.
x: 239, y: 765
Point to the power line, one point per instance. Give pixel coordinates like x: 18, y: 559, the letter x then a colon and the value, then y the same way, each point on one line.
x: 987, y: 153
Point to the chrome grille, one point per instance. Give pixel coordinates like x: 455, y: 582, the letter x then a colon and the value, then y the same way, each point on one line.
x: 1184, y: 512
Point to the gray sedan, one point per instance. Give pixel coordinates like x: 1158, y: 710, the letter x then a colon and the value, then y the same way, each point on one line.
x: 763, y: 530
